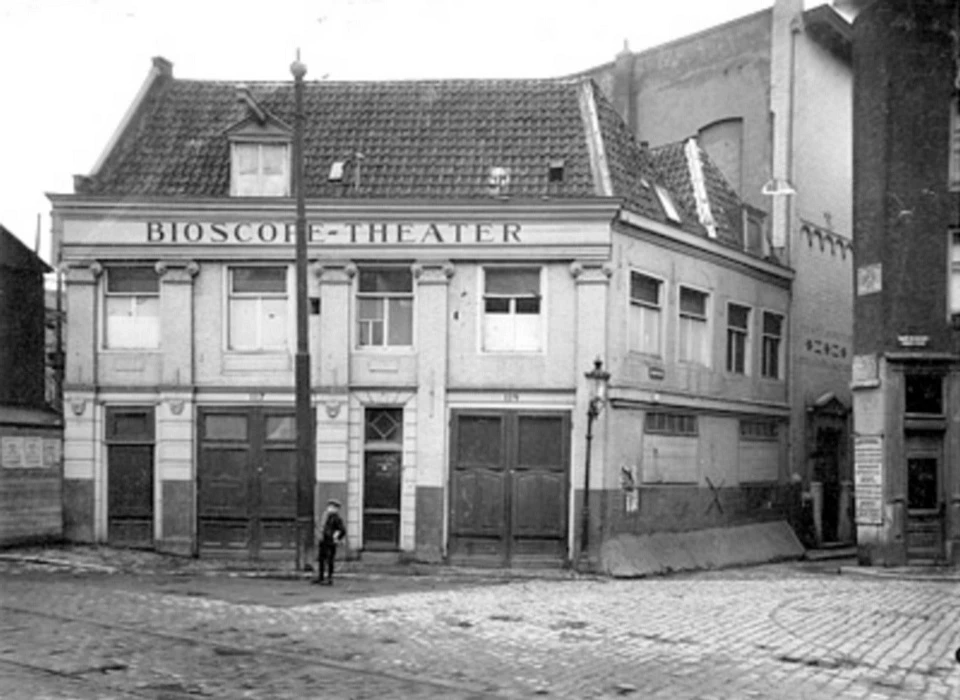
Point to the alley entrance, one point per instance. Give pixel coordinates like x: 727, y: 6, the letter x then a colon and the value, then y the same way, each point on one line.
x: 247, y: 482
x: 925, y: 514
x: 508, y: 483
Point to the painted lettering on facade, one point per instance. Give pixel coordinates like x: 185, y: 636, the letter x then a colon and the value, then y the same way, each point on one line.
x: 370, y: 233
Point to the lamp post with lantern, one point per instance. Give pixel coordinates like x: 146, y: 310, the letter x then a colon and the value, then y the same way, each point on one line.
x: 599, y: 378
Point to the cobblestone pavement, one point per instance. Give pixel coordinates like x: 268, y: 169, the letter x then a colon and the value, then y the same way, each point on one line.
x: 779, y: 631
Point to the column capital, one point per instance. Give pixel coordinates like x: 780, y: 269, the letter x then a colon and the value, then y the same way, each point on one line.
x: 433, y: 271
x: 83, y: 272
x: 336, y: 272
x: 591, y: 271
x: 177, y: 271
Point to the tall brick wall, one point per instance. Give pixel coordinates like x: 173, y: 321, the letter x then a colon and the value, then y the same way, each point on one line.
x: 903, y: 84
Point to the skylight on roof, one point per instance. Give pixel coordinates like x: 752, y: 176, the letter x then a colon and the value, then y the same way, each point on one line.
x: 666, y: 201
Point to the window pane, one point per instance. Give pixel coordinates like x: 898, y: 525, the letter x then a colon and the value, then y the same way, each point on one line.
x: 693, y: 302
x: 527, y: 333
x: 693, y: 340
x: 273, y: 157
x: 528, y: 305
x: 383, y: 425
x: 281, y: 428
x: 772, y: 324
x: 923, y: 393
x: 247, y: 158
x: 737, y: 316
x: 645, y: 329
x: 396, y: 280
x: 645, y: 289
x: 132, y: 279
x: 512, y: 281
x: 255, y: 280
x: 132, y: 425
x: 132, y: 322
x: 370, y: 309
x: 273, y: 186
x: 497, y: 305
x: 498, y: 332
x: 401, y: 322
x: 225, y: 426
x: 243, y: 324
x: 274, y: 323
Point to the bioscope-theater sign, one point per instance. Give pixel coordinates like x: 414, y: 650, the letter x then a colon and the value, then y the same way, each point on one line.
x: 352, y: 233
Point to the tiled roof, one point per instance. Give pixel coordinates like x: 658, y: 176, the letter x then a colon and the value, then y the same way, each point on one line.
x: 725, y: 206
x: 419, y: 140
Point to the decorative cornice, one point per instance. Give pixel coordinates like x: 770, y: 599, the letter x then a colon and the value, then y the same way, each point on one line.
x: 826, y: 239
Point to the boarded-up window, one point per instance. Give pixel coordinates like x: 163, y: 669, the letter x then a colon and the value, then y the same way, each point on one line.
x: 670, y: 448
x: 759, y: 450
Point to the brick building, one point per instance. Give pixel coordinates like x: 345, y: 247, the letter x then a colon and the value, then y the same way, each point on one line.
x: 474, y: 246
x: 30, y: 430
x: 769, y: 97
x: 907, y: 213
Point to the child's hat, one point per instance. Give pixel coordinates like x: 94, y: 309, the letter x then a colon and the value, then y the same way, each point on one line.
x: 333, y: 502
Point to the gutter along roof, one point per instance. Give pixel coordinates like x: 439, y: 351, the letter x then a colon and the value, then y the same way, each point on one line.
x: 403, y: 141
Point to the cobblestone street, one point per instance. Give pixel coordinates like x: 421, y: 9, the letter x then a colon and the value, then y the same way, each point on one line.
x: 777, y: 631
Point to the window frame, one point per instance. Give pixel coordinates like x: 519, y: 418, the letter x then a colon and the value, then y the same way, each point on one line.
x: 260, y: 143
x: 132, y: 296
x: 759, y: 430
x: 781, y: 345
x: 675, y: 423
x: 541, y: 312
x: 229, y: 295
x: 747, y: 341
x: 358, y: 295
x: 708, y: 325
x: 661, y: 309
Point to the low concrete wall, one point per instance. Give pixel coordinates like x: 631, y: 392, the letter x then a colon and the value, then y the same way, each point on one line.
x: 629, y: 556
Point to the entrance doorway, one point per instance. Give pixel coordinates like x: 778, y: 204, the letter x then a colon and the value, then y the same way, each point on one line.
x: 383, y: 449
x: 509, y: 484
x: 925, y: 513
x: 130, y: 446
x: 247, y: 482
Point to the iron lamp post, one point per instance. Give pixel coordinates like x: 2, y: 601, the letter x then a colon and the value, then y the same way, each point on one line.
x: 598, y: 378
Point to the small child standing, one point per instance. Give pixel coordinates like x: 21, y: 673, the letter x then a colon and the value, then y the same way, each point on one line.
x: 329, y: 532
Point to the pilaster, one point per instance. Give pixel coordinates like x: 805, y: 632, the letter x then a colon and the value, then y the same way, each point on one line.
x: 176, y: 321
x: 82, y: 311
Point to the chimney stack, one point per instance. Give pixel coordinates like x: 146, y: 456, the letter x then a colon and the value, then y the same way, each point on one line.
x: 624, y: 93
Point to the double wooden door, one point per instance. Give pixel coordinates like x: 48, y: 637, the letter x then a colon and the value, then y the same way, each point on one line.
x: 247, y: 482
x: 509, y: 485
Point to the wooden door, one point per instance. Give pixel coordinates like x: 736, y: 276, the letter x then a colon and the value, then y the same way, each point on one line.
x: 925, y: 512
x: 246, y: 482
x: 130, y: 476
x: 509, y: 485
x: 381, y: 500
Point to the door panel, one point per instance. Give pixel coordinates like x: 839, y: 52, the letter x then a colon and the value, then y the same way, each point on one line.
x: 247, y: 482
x: 925, y: 514
x: 130, y: 497
x: 381, y: 500
x: 509, y: 483
x: 129, y: 439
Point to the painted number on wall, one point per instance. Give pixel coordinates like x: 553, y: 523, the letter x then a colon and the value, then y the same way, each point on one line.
x: 826, y: 348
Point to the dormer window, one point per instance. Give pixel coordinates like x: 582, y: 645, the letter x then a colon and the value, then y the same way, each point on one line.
x: 260, y: 169
x: 259, y: 152
x: 666, y: 201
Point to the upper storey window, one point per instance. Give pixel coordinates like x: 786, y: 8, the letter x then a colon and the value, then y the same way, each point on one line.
x: 132, y: 308
x: 260, y: 170
x: 512, y: 315
x: 954, y: 182
x: 385, y: 307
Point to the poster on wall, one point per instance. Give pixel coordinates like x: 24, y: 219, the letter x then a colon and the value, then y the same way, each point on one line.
x: 11, y: 452
x: 868, y: 479
x: 33, y: 452
x: 51, y: 452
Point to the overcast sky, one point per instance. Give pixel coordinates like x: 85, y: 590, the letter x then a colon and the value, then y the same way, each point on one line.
x: 70, y: 68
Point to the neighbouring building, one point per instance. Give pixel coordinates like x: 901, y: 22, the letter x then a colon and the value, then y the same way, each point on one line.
x: 474, y: 247
x: 769, y: 98
x: 31, y: 431
x: 907, y: 234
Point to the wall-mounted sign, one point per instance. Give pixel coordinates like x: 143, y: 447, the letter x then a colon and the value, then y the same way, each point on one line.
x: 869, y: 279
x: 29, y: 452
x: 913, y: 341
x: 868, y: 479
x: 436, y: 233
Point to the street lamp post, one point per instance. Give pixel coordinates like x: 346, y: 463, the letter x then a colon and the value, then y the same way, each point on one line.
x: 598, y: 393
x: 304, y: 420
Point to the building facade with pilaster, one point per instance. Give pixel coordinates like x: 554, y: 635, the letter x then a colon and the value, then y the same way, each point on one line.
x: 474, y: 246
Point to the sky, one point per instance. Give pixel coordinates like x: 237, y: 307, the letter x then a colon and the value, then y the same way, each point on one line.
x: 69, y: 69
